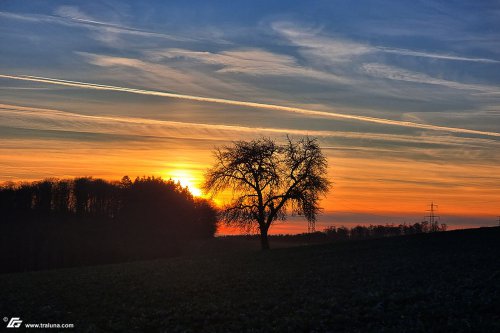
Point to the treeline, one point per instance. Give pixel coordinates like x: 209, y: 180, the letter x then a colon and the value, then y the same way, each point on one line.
x: 377, y: 231
x: 84, y: 221
x: 344, y: 233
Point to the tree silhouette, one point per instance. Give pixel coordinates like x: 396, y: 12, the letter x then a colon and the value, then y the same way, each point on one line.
x: 269, y: 181
x: 86, y: 221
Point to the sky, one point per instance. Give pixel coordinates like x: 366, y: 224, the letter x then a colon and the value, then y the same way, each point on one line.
x: 403, y: 96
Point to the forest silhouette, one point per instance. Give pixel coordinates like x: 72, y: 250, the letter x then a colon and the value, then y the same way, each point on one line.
x: 85, y: 221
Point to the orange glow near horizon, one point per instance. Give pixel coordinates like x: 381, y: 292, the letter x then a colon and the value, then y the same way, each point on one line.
x: 186, y: 179
x: 365, y: 189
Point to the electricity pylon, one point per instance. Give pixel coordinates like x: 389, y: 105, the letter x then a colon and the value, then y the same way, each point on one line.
x: 433, y: 218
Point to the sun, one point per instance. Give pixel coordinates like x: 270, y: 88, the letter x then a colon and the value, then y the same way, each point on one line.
x: 186, y: 179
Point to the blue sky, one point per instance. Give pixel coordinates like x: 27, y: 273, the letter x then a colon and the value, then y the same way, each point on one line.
x: 404, y: 85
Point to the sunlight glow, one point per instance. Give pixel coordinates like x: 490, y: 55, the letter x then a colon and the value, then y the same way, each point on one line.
x: 186, y: 179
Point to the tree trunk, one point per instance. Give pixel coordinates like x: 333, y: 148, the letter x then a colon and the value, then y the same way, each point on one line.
x: 264, y: 241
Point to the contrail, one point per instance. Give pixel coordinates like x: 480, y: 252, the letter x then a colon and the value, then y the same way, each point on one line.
x: 248, y: 104
x: 50, y: 119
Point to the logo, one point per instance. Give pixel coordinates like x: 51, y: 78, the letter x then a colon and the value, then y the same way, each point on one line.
x: 14, y: 322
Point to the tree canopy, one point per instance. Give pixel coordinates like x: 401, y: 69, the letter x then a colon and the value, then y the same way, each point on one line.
x: 269, y: 181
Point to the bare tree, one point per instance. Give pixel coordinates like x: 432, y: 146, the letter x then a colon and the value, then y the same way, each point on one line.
x: 268, y: 181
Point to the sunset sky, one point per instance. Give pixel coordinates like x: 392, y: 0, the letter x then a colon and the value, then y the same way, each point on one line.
x: 404, y: 96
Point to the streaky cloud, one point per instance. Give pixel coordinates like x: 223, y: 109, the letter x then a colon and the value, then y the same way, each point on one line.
x: 400, y: 74
x: 89, y: 24
x: 341, y: 49
x: 406, y: 52
x: 251, y: 61
x: 37, y: 118
x: 275, y: 107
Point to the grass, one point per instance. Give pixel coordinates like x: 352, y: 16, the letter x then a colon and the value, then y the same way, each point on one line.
x: 422, y: 283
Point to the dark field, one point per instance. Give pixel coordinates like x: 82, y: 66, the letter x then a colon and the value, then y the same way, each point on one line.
x: 443, y: 282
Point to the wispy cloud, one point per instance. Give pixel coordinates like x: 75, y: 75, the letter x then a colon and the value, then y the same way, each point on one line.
x: 26, y: 88
x: 336, y: 49
x: 247, y: 61
x: 332, y: 50
x: 16, y: 116
x: 72, y: 16
x: 399, y: 74
x: 50, y: 119
x: 156, y: 74
x: 157, y: 70
x: 412, y: 53
x: 303, y: 111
